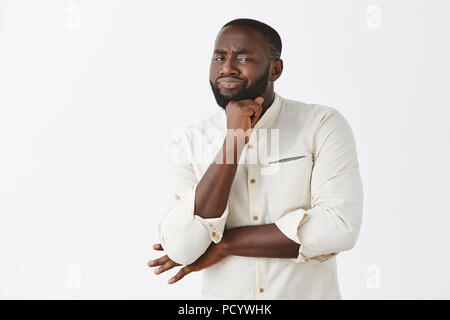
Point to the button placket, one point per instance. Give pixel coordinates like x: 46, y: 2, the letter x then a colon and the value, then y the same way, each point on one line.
x: 253, y: 184
x: 260, y: 278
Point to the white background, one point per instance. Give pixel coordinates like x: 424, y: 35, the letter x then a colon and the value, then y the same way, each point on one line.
x: 89, y: 91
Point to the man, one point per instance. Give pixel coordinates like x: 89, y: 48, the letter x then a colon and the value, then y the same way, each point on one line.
x: 260, y: 224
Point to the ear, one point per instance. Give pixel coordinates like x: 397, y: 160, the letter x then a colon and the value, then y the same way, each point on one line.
x: 276, y: 69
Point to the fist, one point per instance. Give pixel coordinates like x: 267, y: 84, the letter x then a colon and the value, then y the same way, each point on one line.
x: 243, y: 114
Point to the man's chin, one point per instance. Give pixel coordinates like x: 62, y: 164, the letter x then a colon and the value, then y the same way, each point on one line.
x: 231, y: 95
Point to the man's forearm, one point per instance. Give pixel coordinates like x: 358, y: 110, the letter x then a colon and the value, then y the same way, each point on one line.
x: 213, y: 190
x: 265, y: 241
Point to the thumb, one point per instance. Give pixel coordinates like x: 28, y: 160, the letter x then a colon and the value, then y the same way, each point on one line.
x: 259, y: 100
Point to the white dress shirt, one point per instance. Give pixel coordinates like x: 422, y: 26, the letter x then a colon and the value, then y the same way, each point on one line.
x: 299, y: 170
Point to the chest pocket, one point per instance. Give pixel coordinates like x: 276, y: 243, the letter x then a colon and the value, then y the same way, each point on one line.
x: 286, y: 184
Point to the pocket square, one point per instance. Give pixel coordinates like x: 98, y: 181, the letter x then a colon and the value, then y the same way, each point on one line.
x: 287, y: 159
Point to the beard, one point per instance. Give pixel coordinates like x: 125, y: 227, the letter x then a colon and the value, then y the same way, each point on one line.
x: 252, y: 92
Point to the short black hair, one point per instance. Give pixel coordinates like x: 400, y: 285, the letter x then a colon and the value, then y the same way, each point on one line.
x: 270, y: 35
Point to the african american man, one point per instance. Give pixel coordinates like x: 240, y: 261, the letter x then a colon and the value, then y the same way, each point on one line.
x: 262, y: 195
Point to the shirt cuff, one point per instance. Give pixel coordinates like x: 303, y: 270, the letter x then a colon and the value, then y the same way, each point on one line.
x: 182, y: 233
x: 215, y: 226
x: 289, y: 225
x: 290, y: 222
x: 316, y: 259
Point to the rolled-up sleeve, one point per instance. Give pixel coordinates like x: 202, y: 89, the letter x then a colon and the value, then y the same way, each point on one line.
x: 184, y: 235
x: 332, y: 224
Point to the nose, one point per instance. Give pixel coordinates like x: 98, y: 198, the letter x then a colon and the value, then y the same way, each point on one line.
x: 229, y: 68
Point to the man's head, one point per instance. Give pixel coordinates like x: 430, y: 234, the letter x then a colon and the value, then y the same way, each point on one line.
x: 246, y: 61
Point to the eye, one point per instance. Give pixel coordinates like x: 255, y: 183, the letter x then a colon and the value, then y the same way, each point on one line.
x: 245, y: 59
x: 218, y: 58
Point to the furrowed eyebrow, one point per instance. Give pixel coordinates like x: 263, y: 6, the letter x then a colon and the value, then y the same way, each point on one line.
x: 240, y: 51
x: 243, y: 51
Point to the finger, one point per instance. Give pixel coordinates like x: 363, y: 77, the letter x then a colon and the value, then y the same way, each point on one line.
x: 256, y: 115
x: 158, y: 262
x: 158, y: 246
x: 254, y: 119
x: 259, y: 100
x: 166, y: 266
x: 180, y: 275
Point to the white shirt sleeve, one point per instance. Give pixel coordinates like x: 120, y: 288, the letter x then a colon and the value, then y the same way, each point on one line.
x: 333, y: 222
x: 184, y: 235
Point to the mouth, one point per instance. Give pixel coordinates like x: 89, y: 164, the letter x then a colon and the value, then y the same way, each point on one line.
x: 230, y: 83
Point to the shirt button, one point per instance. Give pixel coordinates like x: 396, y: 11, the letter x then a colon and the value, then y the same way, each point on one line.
x: 255, y: 217
x: 261, y: 290
x: 177, y: 196
x: 252, y: 180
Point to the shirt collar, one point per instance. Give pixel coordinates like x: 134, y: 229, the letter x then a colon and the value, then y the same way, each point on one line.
x: 270, y: 114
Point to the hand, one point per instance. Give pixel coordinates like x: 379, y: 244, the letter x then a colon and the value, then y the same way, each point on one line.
x: 164, y: 262
x: 212, y: 255
x: 243, y: 114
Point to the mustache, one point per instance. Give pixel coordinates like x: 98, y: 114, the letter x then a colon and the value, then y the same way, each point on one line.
x: 229, y: 78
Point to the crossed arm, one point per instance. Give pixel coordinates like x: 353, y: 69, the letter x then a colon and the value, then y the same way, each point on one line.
x: 211, y: 196
x: 265, y: 241
x: 330, y: 226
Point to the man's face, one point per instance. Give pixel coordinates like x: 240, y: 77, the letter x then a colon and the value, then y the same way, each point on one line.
x: 239, y: 67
